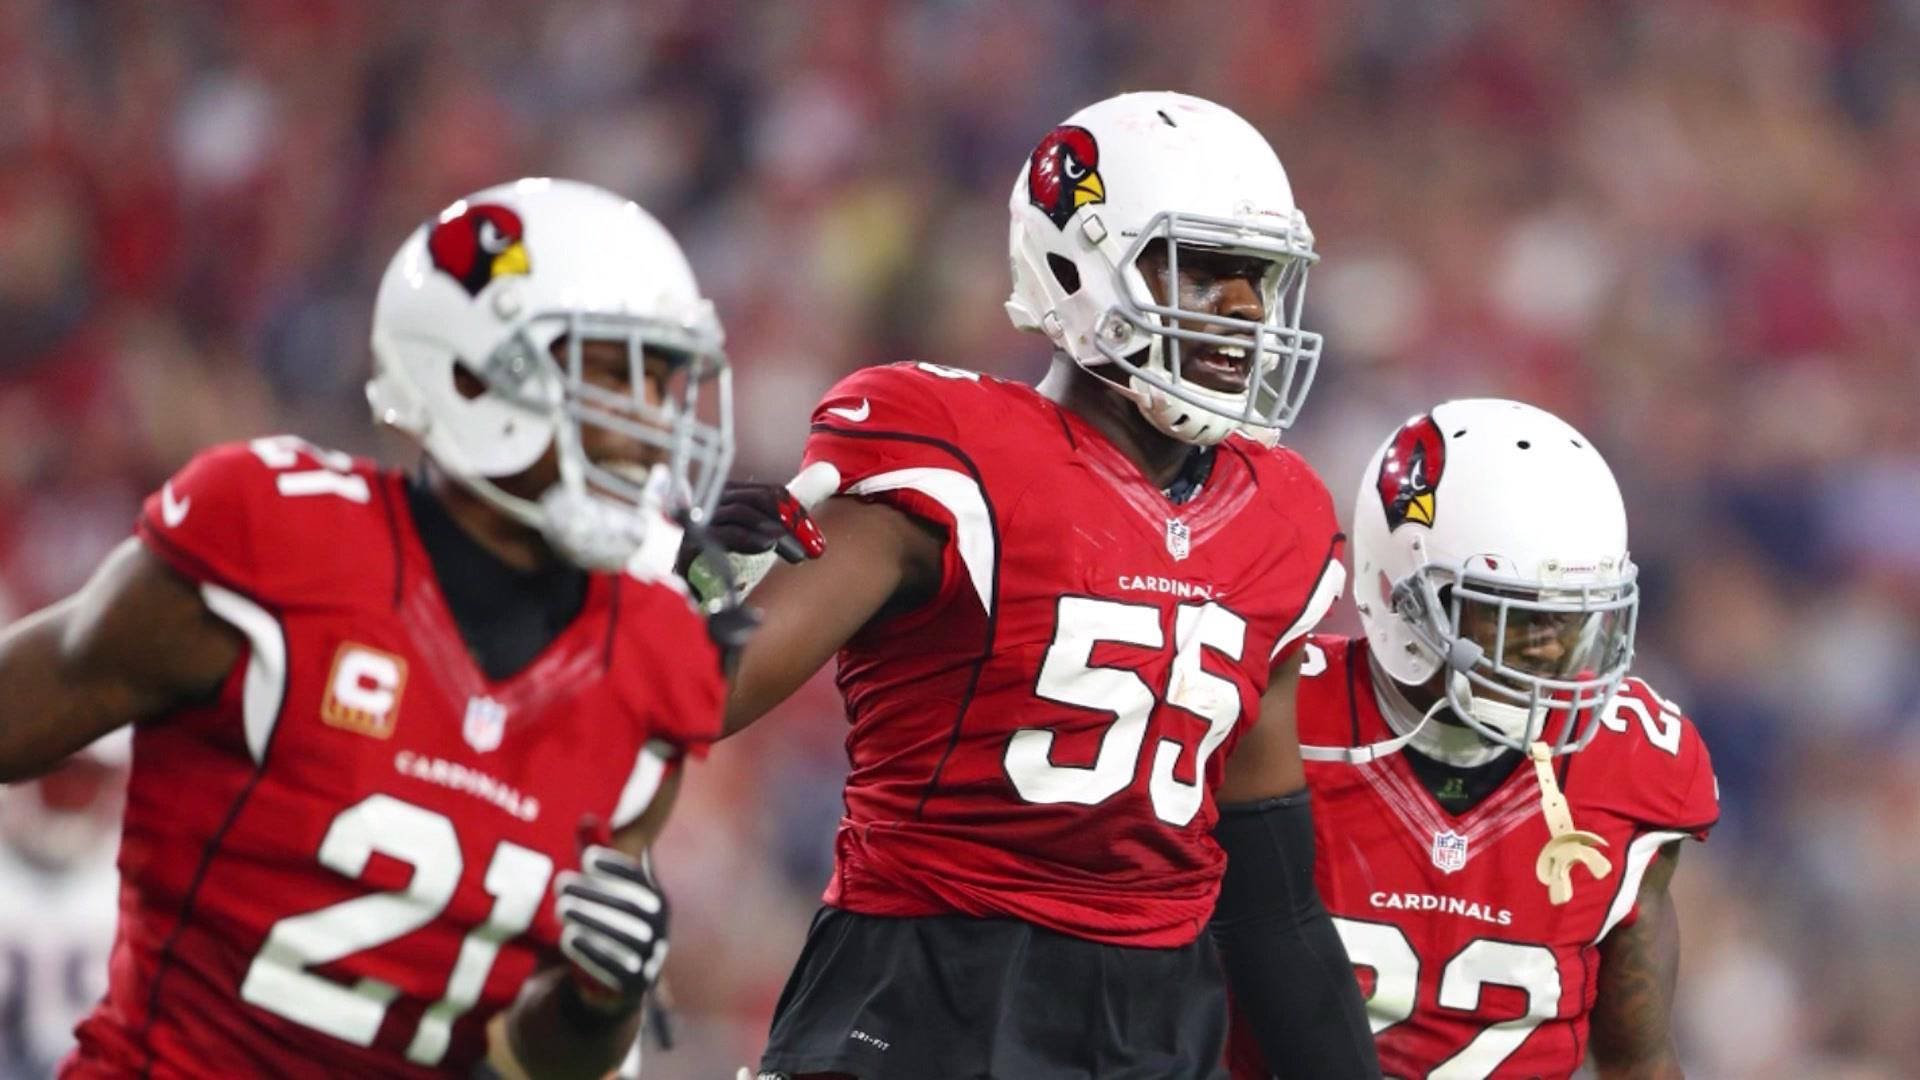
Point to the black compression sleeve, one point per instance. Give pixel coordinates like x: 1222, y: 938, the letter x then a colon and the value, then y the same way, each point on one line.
x: 1291, y: 977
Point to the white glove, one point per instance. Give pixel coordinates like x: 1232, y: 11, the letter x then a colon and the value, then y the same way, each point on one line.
x: 613, y: 920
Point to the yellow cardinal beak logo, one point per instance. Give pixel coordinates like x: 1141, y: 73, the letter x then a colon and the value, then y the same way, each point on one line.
x: 511, y: 261
x: 1420, y: 508
x: 1089, y: 190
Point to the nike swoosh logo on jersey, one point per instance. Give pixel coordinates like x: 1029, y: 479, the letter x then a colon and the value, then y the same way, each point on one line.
x: 172, y: 512
x: 855, y: 415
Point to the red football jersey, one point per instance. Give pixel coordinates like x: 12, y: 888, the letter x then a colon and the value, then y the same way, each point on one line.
x: 342, y: 864
x: 1469, y: 970
x: 1041, y: 739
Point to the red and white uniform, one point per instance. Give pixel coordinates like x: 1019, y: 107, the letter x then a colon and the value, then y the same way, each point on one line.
x: 342, y: 864
x: 1041, y: 740
x: 1469, y: 970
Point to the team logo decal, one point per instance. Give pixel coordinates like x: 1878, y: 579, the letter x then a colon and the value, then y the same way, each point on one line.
x: 1064, y: 173
x: 1410, y: 472
x: 363, y: 690
x: 1449, y: 851
x: 1179, y: 539
x: 476, y: 244
x: 484, y: 724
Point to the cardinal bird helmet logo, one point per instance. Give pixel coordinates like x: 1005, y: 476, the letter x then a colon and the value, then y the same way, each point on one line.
x: 1410, y: 472
x: 476, y: 244
x: 1064, y: 173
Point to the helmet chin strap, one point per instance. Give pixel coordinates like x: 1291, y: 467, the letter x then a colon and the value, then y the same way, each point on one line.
x: 595, y: 533
x: 1361, y: 755
x: 1516, y: 725
x: 1474, y: 750
x: 591, y: 532
x: 1190, y: 422
x: 1179, y: 419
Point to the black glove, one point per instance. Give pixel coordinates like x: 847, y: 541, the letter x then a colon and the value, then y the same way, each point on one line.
x: 752, y: 518
x: 728, y: 554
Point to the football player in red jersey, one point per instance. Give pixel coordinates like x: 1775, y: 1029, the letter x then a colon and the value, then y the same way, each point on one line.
x: 375, y: 714
x: 1068, y: 620
x: 1501, y: 881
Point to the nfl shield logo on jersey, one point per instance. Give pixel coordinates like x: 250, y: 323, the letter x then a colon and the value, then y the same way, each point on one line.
x: 1449, y: 851
x: 485, y: 723
x: 1179, y: 539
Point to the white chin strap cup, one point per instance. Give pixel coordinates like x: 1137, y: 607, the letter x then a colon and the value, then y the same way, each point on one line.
x: 595, y: 533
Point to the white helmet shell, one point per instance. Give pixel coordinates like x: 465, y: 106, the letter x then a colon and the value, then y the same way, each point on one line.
x: 489, y: 285
x: 1506, y: 505
x: 1140, y: 167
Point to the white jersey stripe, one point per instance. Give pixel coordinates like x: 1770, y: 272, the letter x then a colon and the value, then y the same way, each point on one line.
x: 649, y: 769
x: 266, y: 679
x: 957, y: 492
x: 1639, y: 856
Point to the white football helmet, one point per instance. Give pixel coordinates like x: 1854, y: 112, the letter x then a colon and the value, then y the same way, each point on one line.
x: 489, y: 285
x: 1490, y: 541
x: 1122, y: 173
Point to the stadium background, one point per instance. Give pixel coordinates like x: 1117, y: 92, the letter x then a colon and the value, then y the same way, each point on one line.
x: 1692, y: 228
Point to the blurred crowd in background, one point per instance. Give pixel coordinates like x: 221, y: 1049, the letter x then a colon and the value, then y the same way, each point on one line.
x: 1692, y: 228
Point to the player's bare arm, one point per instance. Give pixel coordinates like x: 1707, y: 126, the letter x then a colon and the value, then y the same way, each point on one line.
x: 1639, y: 964
x: 135, y: 640
x: 1290, y: 974
x: 553, y: 1031
x: 879, y: 561
x: 1265, y: 764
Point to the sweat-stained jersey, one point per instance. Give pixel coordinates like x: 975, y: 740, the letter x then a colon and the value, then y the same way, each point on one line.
x: 1041, y: 739
x: 342, y: 864
x: 1470, y: 972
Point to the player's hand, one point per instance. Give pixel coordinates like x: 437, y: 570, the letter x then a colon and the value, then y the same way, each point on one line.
x: 753, y: 518
x: 613, y: 920
x: 752, y: 523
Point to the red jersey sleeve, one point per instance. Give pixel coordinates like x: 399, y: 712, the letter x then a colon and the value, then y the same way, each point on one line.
x: 898, y: 435
x: 668, y: 668
x: 262, y: 518
x: 1696, y: 805
x: 1664, y: 779
x: 1655, y: 771
x: 204, y: 520
x: 881, y: 420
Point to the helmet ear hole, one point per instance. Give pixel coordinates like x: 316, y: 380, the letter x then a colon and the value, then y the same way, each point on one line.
x: 465, y: 383
x: 1064, y: 272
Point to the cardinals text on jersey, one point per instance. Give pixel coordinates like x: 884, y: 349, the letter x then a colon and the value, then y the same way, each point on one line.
x: 342, y: 864
x: 1470, y: 971
x: 1042, y: 738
